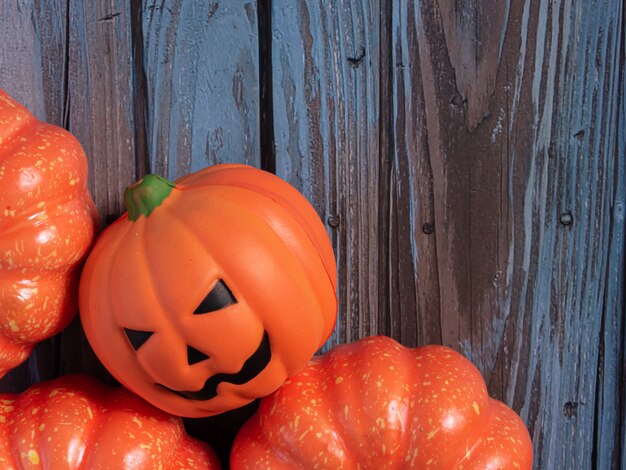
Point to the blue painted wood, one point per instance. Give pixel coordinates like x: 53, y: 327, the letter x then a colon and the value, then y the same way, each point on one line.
x: 566, y: 231
x: 99, y: 110
x: 542, y: 241
x: 21, y: 73
x: 465, y: 211
x: 326, y: 112
x: 522, y: 237
x: 611, y: 378
x: 100, y: 94
x: 201, y: 66
x: 610, y: 409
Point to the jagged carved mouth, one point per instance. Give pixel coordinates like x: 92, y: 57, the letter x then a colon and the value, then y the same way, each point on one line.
x: 253, y: 366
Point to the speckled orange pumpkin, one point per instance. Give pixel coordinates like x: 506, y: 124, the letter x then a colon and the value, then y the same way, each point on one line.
x: 76, y: 423
x: 375, y: 404
x: 209, y: 292
x: 47, y: 224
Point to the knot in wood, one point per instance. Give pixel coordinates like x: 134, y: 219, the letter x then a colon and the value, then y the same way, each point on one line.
x: 569, y: 409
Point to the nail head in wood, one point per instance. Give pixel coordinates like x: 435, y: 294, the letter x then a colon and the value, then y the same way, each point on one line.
x: 566, y: 219
x: 333, y: 221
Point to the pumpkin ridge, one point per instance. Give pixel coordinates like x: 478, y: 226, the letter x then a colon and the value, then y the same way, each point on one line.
x: 114, y: 253
x: 341, y: 354
x: 182, y: 226
x: 144, y: 261
x: 290, y: 453
x: 148, y: 261
x: 479, y: 426
x: 288, y: 212
x: 469, y: 452
x: 18, y: 351
x: 197, y: 236
x: 68, y: 154
x: 191, y: 229
x: 412, y: 375
x: 291, y: 210
x: 31, y: 210
x: 98, y: 412
x: 9, y: 424
x: 13, y: 142
x: 184, y: 446
x: 208, y: 176
x: 10, y: 141
x: 342, y: 430
x: 62, y: 260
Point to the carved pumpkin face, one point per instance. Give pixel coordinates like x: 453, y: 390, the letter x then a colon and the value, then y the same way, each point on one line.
x: 210, y: 293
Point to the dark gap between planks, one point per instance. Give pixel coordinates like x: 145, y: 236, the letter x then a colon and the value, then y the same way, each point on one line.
x: 266, y: 126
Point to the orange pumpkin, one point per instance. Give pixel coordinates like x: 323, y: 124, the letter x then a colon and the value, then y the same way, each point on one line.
x: 47, y: 224
x: 209, y: 292
x: 375, y: 404
x: 75, y: 423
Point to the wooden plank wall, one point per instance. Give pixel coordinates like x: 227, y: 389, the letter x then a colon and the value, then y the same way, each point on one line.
x: 466, y: 157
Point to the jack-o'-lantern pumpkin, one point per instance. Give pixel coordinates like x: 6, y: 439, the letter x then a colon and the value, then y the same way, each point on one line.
x: 211, y: 291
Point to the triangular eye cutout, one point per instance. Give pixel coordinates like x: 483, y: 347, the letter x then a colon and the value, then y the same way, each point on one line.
x: 219, y: 297
x: 136, y: 337
x: 194, y: 356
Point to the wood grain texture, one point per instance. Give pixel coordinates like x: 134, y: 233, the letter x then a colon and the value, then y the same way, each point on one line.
x: 21, y: 65
x: 611, y: 391
x: 100, y: 112
x: 100, y: 95
x: 201, y: 67
x: 465, y: 211
x: 326, y: 113
x: 567, y: 80
x: 521, y: 237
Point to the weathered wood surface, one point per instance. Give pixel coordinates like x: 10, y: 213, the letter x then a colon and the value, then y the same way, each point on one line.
x: 469, y: 156
x: 468, y: 161
x: 326, y: 91
x: 202, y: 80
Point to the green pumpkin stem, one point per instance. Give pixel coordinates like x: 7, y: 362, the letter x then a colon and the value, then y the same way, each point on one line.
x: 146, y: 195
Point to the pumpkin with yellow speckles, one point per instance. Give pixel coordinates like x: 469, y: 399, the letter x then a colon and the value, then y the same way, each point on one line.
x: 375, y: 404
x: 47, y: 224
x: 75, y: 423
